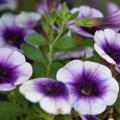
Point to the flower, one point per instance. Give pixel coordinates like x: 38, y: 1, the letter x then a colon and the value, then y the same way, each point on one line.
x: 52, y: 95
x: 107, y: 45
x: 46, y: 6
x: 91, y: 86
x: 10, y: 34
x: 7, y: 4
x: 112, y: 7
x: 27, y: 19
x: 84, y: 11
x: 14, y: 70
x: 86, y: 52
x: 111, y: 20
x: 87, y: 117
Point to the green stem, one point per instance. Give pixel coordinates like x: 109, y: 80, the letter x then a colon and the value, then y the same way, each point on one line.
x: 49, y: 59
x: 51, y: 49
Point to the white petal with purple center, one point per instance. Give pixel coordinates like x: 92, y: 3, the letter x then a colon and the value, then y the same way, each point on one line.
x: 107, y: 45
x: 14, y: 69
x: 90, y: 86
x: 52, y: 95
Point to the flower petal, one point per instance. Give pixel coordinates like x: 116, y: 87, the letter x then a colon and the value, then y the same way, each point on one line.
x: 68, y: 73
x: 25, y: 72
x: 90, y: 106
x: 28, y: 89
x: 55, y: 106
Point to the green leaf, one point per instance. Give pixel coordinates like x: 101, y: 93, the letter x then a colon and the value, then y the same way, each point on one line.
x: 65, y: 43
x: 71, y: 16
x: 64, y: 9
x: 33, y: 53
x: 39, y: 70
x: 9, y: 110
x: 52, y: 18
x: 86, y: 22
x: 88, y: 42
x: 55, y: 67
x: 35, y: 39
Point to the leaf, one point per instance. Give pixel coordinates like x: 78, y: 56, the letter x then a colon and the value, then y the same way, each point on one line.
x: 86, y: 22
x: 88, y: 42
x: 65, y: 43
x: 33, y: 53
x: 35, y: 39
x: 64, y: 10
x: 55, y: 67
x: 38, y: 70
x: 9, y: 110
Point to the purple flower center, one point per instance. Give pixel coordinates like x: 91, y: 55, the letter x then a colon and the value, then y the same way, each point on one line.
x: 8, y: 73
x: 3, y: 1
x: 14, y: 36
x: 53, y: 89
x: 112, y: 51
x: 91, y: 30
x: 88, y: 85
x: 88, y: 117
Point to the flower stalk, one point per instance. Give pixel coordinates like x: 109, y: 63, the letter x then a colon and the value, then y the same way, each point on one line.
x: 51, y: 49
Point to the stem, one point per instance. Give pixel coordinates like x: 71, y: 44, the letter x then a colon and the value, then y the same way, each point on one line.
x: 51, y: 48
x: 49, y: 59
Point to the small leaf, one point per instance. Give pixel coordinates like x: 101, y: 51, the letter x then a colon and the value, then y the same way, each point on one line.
x: 35, y: 39
x: 33, y: 53
x: 88, y: 42
x: 55, y: 67
x: 65, y: 43
x: 86, y: 22
x: 39, y: 70
x: 64, y: 11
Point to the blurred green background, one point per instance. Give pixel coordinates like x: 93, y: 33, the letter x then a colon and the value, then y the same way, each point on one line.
x: 30, y: 5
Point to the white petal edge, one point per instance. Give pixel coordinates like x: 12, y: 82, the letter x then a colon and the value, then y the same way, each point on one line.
x: 55, y: 106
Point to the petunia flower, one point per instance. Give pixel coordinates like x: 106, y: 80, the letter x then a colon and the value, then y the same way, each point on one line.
x: 14, y: 69
x: 91, y: 86
x: 7, y: 4
x: 111, y: 20
x: 10, y: 34
x: 112, y: 7
x: 84, y: 11
x: 52, y: 95
x: 27, y: 19
x: 107, y: 45
x: 46, y: 6
x: 87, y: 117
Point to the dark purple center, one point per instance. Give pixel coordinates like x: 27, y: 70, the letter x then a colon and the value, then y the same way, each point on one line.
x: 91, y: 30
x: 14, y: 36
x: 88, y: 85
x: 8, y: 73
x: 53, y: 88
x: 88, y: 117
x: 3, y: 1
x: 112, y: 51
